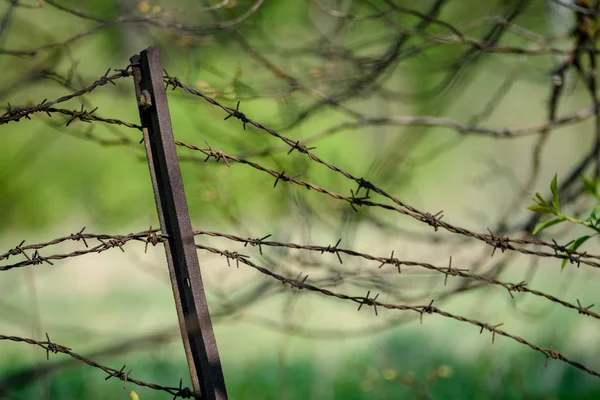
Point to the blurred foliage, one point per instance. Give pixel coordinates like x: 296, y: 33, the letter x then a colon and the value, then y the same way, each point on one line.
x: 278, y: 63
x: 592, y: 222
x: 48, y: 177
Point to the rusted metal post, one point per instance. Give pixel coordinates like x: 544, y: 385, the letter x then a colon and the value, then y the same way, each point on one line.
x: 190, y: 299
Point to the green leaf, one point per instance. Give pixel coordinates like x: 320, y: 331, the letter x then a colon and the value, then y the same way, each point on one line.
x: 594, y: 213
x: 574, y: 246
x: 545, y: 224
x: 554, y: 190
x: 540, y: 209
x: 540, y: 200
x: 541, y: 206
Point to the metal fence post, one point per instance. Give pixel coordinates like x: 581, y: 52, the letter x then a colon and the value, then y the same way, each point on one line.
x: 184, y: 269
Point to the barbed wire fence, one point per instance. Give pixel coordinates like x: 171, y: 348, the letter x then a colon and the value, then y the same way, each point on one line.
x: 380, y: 274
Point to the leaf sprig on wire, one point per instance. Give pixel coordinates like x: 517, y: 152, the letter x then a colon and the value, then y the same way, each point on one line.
x: 590, y: 187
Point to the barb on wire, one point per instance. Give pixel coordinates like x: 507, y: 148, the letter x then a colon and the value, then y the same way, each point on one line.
x: 237, y: 114
x: 355, y: 200
x: 334, y: 250
x: 17, y: 113
x: 300, y: 147
x: 297, y: 283
x: 369, y: 302
x: 434, y: 220
x: 217, y: 154
x: 491, y: 328
x: 120, y: 374
x: 233, y: 255
x: 429, y: 309
x: 391, y: 260
x: 285, y: 178
x: 257, y: 242
x: 106, y: 242
x: 450, y: 271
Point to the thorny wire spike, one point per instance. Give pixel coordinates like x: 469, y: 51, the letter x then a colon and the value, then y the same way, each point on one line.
x: 498, y: 242
x: 558, y: 248
x: 171, y: 80
x: 104, y: 78
x: 573, y: 258
x: 433, y: 219
x: 334, y: 249
x: 152, y: 238
x: 183, y: 392
x: 79, y: 236
x: 550, y: 353
x: 519, y: 287
x: 393, y: 261
x: 121, y: 375
x: 354, y: 199
x: 447, y: 272
x: 257, y: 242
x: 369, y: 302
x: 26, y: 112
x: 286, y: 178
x: 81, y: 115
x: 53, y: 347
x: 217, y: 154
x: 450, y: 269
x: 237, y: 114
x: 13, y: 112
x: 234, y: 255
x: 427, y: 309
x: 576, y: 259
x: 301, y: 148
x: 18, y: 250
x: 297, y: 283
x: 117, y: 242
x: 584, y: 310
x: 362, y: 183
x: 491, y: 328
x: 38, y: 259
x: 10, y: 111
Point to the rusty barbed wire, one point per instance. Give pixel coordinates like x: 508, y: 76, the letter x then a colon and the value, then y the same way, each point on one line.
x: 358, y: 197
x: 151, y: 236
x: 15, y: 114
x: 495, y: 241
x: 372, y: 302
x: 88, y: 116
x: 51, y: 347
x: 446, y: 271
x: 503, y: 243
x: 107, y: 242
x: 18, y: 113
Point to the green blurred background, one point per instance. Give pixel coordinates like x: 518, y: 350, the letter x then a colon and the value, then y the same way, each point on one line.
x: 287, y: 345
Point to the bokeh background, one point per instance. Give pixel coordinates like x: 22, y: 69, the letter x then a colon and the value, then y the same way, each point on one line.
x: 280, y: 59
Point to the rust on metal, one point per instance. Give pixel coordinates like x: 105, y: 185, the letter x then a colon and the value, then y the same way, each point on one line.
x: 190, y: 299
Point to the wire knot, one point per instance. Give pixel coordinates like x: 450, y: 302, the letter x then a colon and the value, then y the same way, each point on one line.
x: 256, y: 242
x: 369, y: 302
x: 237, y: 114
x: 333, y: 249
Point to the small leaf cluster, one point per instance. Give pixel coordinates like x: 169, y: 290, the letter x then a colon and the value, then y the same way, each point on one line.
x: 590, y: 187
